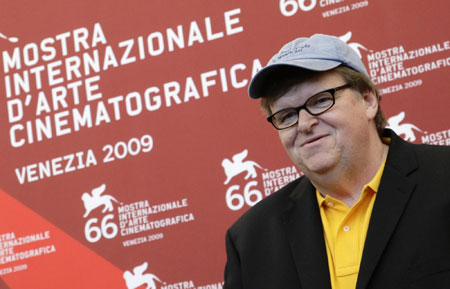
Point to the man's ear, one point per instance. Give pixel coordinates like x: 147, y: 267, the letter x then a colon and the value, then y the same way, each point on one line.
x: 371, y: 101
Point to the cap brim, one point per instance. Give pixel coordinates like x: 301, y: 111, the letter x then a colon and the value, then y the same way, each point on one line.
x: 259, y: 81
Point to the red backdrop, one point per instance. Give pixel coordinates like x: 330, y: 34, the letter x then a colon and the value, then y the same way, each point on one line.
x: 129, y: 144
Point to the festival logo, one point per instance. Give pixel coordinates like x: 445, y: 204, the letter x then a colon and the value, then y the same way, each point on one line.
x: 100, y: 226
x: 354, y: 45
x: 96, y: 200
x: 290, y: 8
x: 405, y: 130
x: 138, y: 278
x: 139, y: 221
x: 246, y: 190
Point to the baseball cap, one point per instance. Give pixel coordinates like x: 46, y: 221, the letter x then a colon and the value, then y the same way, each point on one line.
x: 319, y: 52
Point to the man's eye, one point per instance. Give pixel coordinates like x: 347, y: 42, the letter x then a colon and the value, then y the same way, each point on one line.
x: 287, y: 116
x: 320, y: 101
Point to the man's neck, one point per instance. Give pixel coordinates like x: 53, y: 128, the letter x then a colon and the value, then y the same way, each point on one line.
x: 346, y: 184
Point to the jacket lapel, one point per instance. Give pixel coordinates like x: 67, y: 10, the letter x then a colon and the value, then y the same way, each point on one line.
x: 305, y: 234
x: 393, y: 194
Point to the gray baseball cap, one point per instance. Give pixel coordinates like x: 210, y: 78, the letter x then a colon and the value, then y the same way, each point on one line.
x: 319, y: 52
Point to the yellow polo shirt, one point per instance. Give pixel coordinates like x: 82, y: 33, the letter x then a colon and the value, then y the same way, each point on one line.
x: 345, y: 232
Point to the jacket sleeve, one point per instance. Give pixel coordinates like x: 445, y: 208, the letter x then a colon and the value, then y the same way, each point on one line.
x: 233, y: 272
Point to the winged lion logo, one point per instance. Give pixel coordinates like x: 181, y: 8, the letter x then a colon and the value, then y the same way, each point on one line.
x: 238, y: 166
x: 91, y: 202
x: 406, y: 129
x: 137, y: 279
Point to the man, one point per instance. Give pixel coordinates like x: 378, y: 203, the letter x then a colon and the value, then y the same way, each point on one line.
x: 371, y: 211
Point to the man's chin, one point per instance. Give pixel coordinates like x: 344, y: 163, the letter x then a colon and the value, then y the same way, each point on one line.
x: 317, y: 164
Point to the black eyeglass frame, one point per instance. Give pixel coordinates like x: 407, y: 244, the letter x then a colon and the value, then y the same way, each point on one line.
x: 332, y: 91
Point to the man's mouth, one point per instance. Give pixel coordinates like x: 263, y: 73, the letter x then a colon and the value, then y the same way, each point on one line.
x: 313, y: 139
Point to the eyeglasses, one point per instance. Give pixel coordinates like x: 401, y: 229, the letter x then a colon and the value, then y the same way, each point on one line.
x: 315, y: 105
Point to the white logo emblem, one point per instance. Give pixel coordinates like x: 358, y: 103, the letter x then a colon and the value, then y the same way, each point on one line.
x: 10, y: 39
x: 405, y: 129
x: 355, y: 46
x: 138, y: 279
x: 96, y: 200
x: 238, y: 166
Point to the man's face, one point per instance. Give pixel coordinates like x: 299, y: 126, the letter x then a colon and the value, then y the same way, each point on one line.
x: 336, y: 139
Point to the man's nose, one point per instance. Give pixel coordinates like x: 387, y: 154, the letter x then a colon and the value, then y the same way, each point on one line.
x: 306, y: 121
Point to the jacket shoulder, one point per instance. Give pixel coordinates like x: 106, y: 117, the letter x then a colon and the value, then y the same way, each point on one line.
x: 267, y: 209
x: 406, y: 156
x: 434, y: 156
x: 432, y: 150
